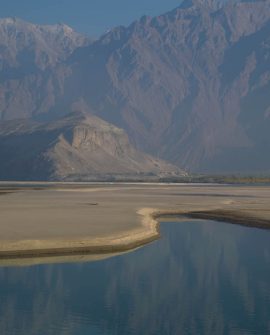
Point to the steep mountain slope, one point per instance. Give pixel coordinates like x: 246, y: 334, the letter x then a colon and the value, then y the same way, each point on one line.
x: 28, y: 56
x: 76, y: 147
x: 190, y: 86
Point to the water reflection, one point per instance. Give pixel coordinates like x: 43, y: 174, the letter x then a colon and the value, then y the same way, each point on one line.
x: 200, y: 278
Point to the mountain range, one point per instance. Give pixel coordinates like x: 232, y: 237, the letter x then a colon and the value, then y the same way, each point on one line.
x: 189, y: 86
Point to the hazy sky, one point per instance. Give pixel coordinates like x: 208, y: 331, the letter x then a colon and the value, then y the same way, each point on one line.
x: 89, y: 16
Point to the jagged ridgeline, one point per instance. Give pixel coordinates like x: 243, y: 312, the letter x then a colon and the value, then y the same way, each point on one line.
x: 190, y: 86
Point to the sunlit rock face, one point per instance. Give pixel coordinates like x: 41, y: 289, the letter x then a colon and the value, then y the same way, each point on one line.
x: 76, y: 147
x: 190, y: 86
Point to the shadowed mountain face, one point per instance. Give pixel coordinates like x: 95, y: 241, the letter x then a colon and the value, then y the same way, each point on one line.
x: 190, y: 86
x: 76, y: 147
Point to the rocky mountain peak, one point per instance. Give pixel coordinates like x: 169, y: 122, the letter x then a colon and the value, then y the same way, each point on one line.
x: 37, y: 44
x: 210, y: 4
x: 190, y: 86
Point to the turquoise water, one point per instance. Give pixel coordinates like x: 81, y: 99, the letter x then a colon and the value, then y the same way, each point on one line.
x: 200, y: 278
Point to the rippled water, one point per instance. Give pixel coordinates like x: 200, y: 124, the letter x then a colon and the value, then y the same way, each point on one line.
x: 200, y: 278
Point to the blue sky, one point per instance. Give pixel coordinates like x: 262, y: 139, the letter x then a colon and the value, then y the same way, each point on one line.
x: 88, y: 16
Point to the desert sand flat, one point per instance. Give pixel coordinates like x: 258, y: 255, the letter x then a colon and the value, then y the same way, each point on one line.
x: 69, y: 219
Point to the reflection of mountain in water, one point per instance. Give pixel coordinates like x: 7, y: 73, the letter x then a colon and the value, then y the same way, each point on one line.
x: 198, y: 279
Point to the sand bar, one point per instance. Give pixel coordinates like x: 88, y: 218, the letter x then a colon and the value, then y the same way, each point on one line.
x: 75, y: 219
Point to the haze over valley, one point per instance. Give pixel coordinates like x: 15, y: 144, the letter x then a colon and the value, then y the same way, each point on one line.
x: 189, y: 86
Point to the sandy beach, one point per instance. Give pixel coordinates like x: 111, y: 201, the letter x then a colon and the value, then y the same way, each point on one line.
x: 41, y: 220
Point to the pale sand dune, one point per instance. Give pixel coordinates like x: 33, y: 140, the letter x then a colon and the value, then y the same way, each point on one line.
x: 81, y: 219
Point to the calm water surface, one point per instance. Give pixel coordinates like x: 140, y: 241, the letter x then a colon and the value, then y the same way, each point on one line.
x: 201, y: 278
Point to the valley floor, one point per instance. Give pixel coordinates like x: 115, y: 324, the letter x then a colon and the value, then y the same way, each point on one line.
x: 72, y: 219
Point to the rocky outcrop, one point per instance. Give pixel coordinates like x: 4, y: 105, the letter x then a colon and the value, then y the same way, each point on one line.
x: 76, y: 147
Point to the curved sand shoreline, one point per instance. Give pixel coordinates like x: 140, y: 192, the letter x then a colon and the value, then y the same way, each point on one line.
x: 150, y: 222
x: 147, y: 229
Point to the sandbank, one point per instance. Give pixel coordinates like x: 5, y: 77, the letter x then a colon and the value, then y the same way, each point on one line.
x: 43, y: 220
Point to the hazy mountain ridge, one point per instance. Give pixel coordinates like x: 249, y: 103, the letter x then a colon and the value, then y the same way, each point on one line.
x: 28, y: 55
x: 178, y: 83
x: 45, y: 44
x: 76, y: 147
x: 190, y: 86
